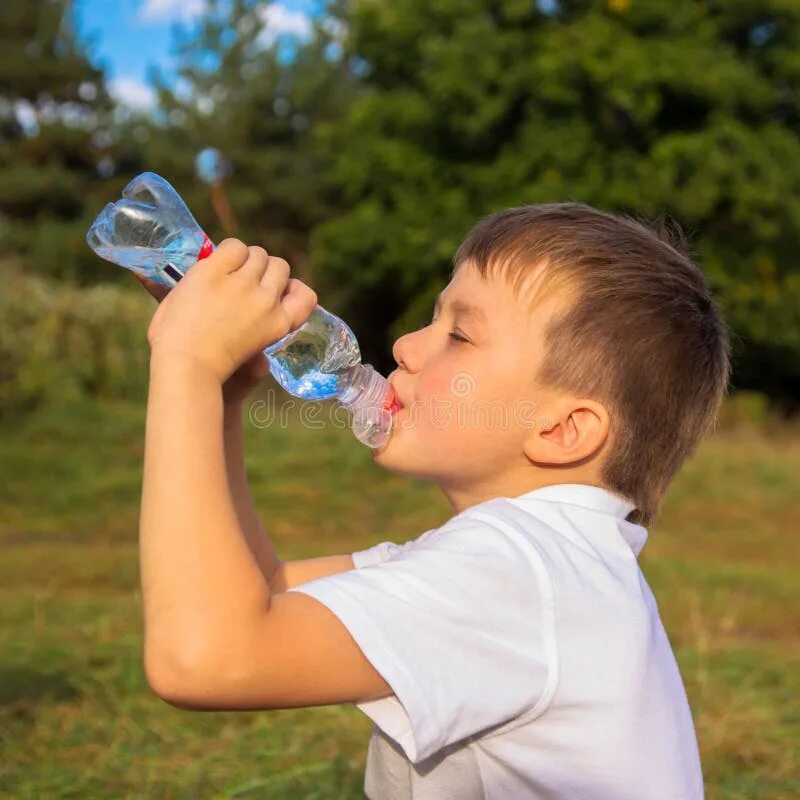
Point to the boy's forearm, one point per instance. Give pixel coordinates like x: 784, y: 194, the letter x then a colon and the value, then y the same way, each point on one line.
x: 256, y: 535
x: 198, y: 573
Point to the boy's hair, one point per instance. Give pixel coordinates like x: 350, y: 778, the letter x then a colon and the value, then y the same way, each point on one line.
x: 643, y: 335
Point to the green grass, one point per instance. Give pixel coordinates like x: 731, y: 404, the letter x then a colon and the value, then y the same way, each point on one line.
x: 77, y: 719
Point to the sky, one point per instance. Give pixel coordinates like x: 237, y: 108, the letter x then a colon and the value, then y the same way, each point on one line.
x: 129, y: 36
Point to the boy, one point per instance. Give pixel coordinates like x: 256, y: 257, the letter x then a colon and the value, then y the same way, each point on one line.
x: 516, y: 651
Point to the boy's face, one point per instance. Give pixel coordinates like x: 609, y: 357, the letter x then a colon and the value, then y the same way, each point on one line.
x: 467, y: 384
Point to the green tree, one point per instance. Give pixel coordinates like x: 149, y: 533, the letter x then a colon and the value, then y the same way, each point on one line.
x: 55, y: 138
x: 260, y: 101
x: 470, y: 106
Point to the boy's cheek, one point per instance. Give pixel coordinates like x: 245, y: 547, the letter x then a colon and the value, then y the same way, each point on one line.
x: 448, y: 388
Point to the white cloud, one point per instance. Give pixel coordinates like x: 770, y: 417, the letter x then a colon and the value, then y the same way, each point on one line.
x: 277, y: 18
x: 169, y: 10
x: 281, y: 21
x: 132, y: 93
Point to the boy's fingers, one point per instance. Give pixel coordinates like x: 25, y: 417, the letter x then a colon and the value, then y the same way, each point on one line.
x: 298, y: 302
x: 276, y: 276
x: 256, y: 264
x: 157, y: 290
x: 229, y: 256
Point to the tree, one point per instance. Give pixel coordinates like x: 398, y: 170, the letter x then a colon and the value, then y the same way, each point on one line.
x: 470, y: 106
x: 55, y: 140
x: 259, y: 100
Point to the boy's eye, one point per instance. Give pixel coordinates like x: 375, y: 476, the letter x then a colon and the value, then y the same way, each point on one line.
x: 457, y: 337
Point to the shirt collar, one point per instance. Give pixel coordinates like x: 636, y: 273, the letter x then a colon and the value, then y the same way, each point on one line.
x: 584, y: 494
x: 598, y: 499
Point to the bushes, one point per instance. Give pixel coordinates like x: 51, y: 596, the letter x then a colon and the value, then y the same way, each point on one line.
x: 59, y: 342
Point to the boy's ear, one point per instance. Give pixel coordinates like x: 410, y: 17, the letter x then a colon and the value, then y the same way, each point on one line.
x: 569, y: 431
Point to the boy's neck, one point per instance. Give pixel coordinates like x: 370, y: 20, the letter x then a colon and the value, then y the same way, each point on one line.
x: 465, y: 495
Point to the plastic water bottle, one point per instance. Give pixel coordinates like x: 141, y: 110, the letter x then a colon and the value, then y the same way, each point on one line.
x: 151, y: 231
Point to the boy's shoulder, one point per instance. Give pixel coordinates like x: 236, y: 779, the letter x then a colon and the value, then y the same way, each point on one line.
x: 570, y: 518
x: 565, y: 544
x: 572, y: 541
x: 580, y: 515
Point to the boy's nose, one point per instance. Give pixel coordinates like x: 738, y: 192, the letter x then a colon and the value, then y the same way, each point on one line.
x: 403, y: 353
x: 397, y: 354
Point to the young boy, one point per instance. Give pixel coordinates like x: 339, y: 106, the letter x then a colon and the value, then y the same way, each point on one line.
x: 573, y: 363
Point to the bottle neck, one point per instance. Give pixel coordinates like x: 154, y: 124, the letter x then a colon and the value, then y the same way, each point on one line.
x: 367, y: 397
x: 365, y: 387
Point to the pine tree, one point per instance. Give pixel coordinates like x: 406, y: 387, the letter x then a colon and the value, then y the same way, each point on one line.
x: 55, y: 139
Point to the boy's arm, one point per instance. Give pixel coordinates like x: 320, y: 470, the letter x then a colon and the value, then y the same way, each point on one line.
x: 214, y: 634
x: 281, y: 575
x: 216, y: 637
x: 294, y: 573
x: 197, y: 570
x: 255, y: 534
x: 234, y: 392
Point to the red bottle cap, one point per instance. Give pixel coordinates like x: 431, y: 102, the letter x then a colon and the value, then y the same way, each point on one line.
x: 206, y: 249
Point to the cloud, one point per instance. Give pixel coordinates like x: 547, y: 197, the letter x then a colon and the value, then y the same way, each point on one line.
x: 281, y: 21
x: 132, y: 93
x: 169, y: 10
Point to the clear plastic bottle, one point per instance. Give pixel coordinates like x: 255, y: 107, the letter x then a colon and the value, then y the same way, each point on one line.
x: 151, y: 231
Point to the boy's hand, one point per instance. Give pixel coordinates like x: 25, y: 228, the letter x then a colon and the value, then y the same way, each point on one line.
x: 228, y: 308
x: 245, y: 379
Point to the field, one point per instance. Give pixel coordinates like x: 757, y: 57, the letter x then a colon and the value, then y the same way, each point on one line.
x: 78, y: 721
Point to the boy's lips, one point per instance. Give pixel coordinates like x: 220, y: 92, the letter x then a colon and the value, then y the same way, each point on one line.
x: 393, y: 402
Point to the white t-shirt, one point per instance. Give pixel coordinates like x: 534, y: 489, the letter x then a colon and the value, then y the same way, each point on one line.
x: 526, y: 656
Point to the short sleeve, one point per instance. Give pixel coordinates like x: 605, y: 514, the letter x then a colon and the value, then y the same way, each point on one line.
x: 454, y: 622
x: 386, y: 550
x: 375, y: 555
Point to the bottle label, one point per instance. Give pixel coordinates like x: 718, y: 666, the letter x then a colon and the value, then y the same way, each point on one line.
x: 206, y: 249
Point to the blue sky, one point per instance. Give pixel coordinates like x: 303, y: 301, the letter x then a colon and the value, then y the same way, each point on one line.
x: 130, y: 36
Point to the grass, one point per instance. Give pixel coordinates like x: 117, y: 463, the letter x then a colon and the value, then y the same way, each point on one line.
x: 77, y: 719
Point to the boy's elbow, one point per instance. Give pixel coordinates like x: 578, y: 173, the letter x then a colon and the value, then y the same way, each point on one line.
x: 165, y: 679
x: 180, y: 680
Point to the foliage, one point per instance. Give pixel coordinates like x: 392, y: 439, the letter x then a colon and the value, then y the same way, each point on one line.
x: 260, y: 102
x: 60, y: 342
x: 378, y: 142
x: 56, y: 138
x: 471, y: 106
